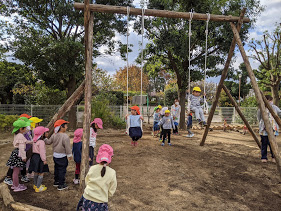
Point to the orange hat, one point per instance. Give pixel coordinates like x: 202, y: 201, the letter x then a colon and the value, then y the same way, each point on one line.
x: 25, y: 115
x: 60, y: 122
x: 135, y: 108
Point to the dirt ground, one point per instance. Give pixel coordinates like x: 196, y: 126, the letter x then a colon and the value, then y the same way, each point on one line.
x: 225, y: 174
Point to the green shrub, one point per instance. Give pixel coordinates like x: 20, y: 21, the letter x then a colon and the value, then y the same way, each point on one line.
x: 170, y: 95
x: 249, y: 102
x: 6, y: 122
x: 101, y: 109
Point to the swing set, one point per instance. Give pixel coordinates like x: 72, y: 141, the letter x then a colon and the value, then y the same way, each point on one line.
x: 89, y: 10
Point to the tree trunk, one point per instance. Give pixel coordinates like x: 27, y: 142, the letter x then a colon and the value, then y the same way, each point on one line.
x: 182, y: 94
x: 275, y: 94
x: 71, y: 87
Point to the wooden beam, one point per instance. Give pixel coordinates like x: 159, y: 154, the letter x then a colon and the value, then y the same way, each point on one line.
x: 65, y: 108
x: 88, y: 24
x: 158, y: 13
x: 269, y: 107
x: 242, y: 115
x: 260, y: 101
x: 223, y: 77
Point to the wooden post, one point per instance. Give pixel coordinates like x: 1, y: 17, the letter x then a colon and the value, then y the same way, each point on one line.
x: 269, y: 107
x: 265, y: 117
x: 88, y: 24
x: 158, y: 13
x: 223, y: 77
x: 71, y: 101
x: 242, y: 116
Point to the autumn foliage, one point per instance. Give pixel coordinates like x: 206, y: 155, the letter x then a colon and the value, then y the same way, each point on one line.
x: 134, y: 79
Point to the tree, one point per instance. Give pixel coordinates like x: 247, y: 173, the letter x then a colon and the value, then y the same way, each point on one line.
x: 48, y: 37
x: 134, y: 83
x: 268, y: 53
x: 233, y: 86
x: 169, y: 39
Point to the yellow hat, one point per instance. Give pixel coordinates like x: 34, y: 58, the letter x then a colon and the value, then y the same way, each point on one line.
x: 167, y: 112
x: 34, y: 121
x: 197, y: 89
x: 159, y: 106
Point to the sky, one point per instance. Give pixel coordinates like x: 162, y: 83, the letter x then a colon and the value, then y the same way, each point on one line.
x: 266, y: 21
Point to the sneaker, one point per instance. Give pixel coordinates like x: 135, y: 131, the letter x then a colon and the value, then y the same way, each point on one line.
x: 132, y: 143
x: 21, y: 185
x: 56, y: 184
x: 30, y: 175
x: 40, y: 189
x: 135, y: 143
x: 162, y: 144
x: 205, y: 123
x: 76, y: 181
x: 160, y: 139
x: 169, y: 144
x: 24, y: 179
x: 20, y: 188
x: 34, y: 186
x: 263, y: 160
x: 8, y: 181
x: 62, y: 187
x: 191, y: 135
x: 200, y: 122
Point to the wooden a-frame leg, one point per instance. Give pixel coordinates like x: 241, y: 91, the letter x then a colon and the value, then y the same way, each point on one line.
x: 223, y: 77
x: 260, y: 101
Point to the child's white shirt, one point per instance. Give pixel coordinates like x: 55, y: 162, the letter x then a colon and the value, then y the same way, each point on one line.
x: 93, y: 136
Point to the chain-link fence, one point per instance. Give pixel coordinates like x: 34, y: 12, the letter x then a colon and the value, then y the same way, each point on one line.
x: 46, y: 112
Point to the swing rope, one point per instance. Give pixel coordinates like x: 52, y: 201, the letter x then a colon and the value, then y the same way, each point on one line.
x: 189, y: 68
x: 142, y: 32
x: 206, y: 107
x: 128, y: 14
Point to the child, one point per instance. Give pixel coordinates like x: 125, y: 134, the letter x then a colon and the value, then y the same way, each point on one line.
x: 35, y: 122
x: 195, y: 105
x: 100, y: 182
x: 38, y: 163
x: 168, y: 123
x: 135, y: 131
x: 77, y: 150
x: 176, y: 111
x: 189, y: 126
x: 162, y: 114
x: 156, y: 119
x: 18, y: 157
x: 262, y: 130
x: 62, y: 152
x: 95, y: 125
x: 28, y: 135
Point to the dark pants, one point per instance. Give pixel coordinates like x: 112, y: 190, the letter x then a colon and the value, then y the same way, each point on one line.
x: 167, y: 132
x: 162, y: 132
x: 264, y: 144
x: 60, y: 169
x: 176, y: 130
x: 91, y: 155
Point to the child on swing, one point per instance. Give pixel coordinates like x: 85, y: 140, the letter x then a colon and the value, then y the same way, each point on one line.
x: 134, y: 122
x: 195, y: 105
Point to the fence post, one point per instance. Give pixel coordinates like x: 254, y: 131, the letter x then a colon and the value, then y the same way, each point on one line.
x: 233, y: 116
x: 120, y: 111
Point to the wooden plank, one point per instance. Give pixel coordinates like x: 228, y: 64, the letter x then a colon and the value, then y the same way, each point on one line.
x: 223, y: 77
x: 242, y: 116
x: 269, y: 107
x: 158, y: 13
x: 89, y: 24
x: 259, y: 98
x: 65, y: 108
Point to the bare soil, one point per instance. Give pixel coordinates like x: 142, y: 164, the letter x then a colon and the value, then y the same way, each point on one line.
x: 225, y: 174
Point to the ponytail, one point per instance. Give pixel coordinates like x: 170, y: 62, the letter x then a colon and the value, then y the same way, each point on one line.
x: 103, y: 169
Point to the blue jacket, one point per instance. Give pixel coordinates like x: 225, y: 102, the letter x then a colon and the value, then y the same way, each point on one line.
x: 77, y: 151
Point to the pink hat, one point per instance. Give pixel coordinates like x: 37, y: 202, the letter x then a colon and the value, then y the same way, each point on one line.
x: 105, y: 154
x: 38, y: 132
x: 78, y: 135
x: 98, y: 121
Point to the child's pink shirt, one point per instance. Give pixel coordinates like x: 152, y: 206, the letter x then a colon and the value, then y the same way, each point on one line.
x: 39, y: 147
x: 20, y: 142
